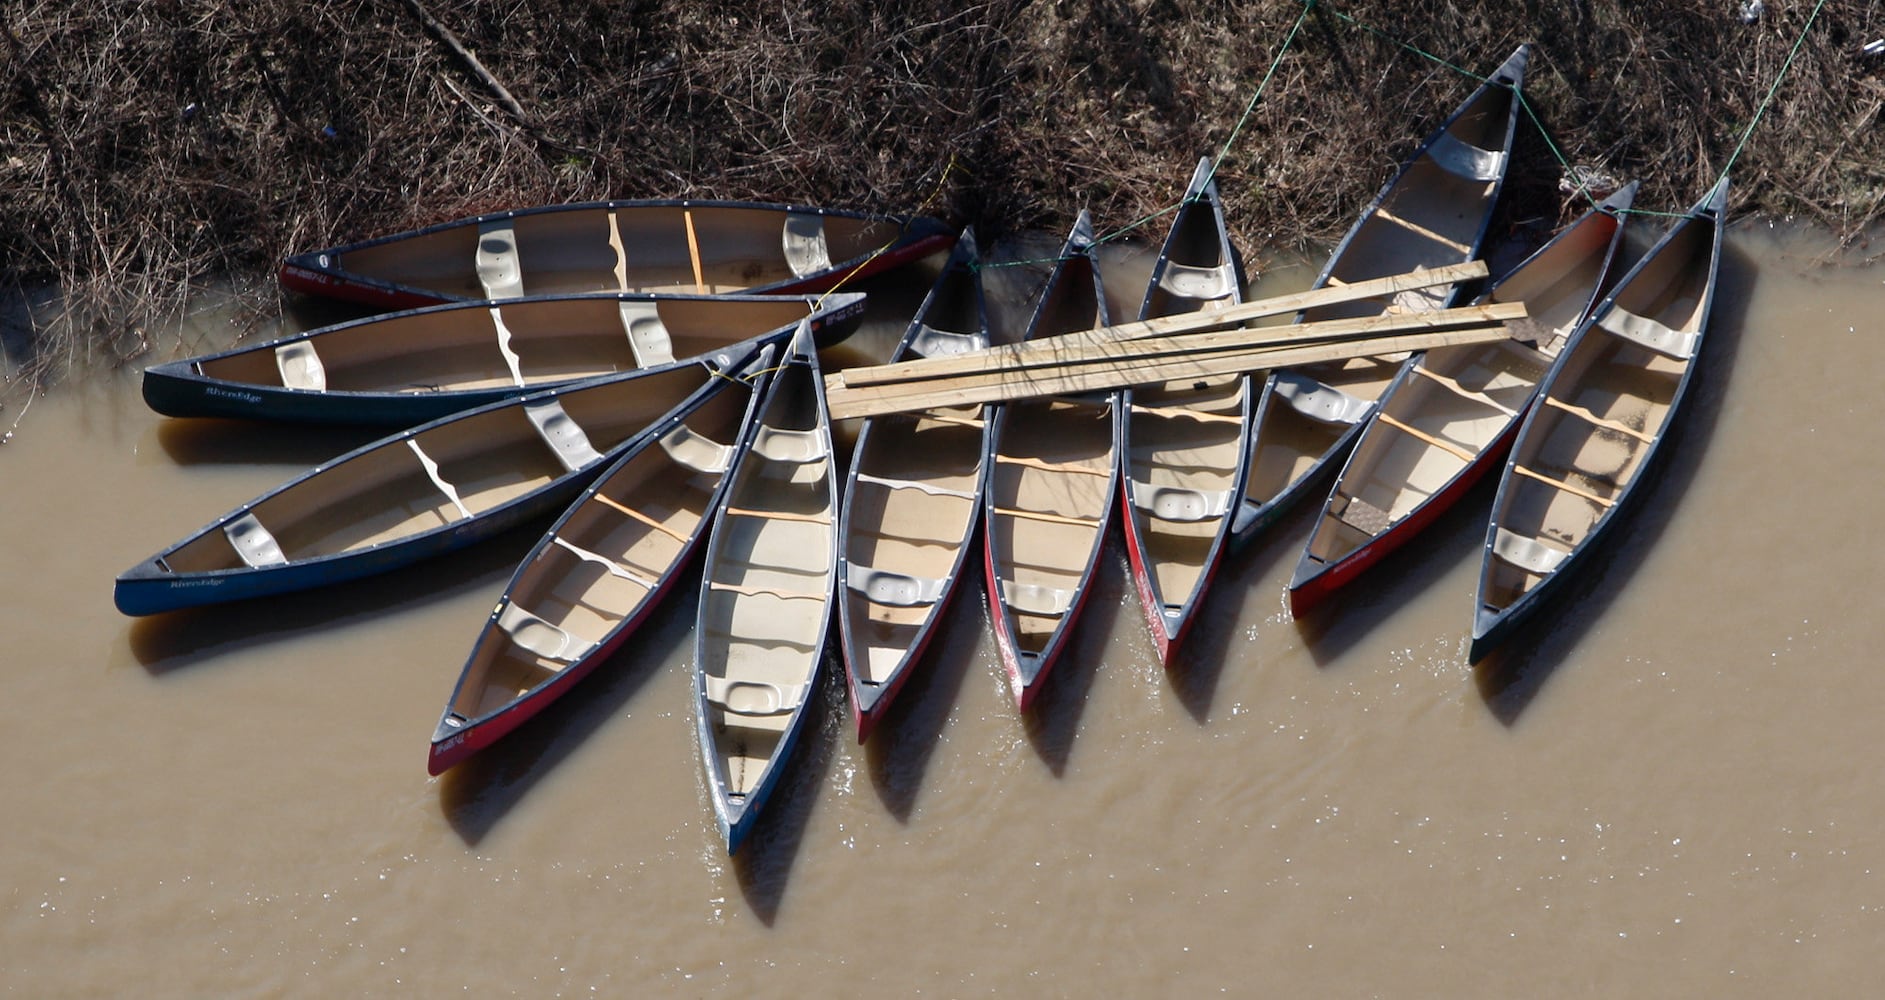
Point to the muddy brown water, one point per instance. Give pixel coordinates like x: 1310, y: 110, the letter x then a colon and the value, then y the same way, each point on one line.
x: 1668, y: 787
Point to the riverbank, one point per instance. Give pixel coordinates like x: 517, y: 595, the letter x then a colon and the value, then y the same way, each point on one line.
x: 153, y: 147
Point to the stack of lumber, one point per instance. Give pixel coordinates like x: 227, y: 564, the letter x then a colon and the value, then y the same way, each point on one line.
x: 1176, y: 349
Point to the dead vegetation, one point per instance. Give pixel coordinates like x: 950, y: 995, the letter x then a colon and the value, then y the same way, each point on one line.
x: 149, y: 148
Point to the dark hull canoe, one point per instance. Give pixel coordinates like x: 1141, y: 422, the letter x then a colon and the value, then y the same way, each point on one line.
x: 911, y: 500
x: 425, y: 491
x: 1053, y: 473
x: 1586, y: 451
x: 703, y: 247
x: 1434, y: 212
x: 601, y: 570
x: 766, y: 597
x: 1183, y: 448
x: 1450, y: 416
x: 409, y: 367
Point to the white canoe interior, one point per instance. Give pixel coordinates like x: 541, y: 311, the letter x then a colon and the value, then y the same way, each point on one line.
x: 440, y: 475
x: 523, y: 343
x: 1457, y: 401
x: 1184, y: 443
x: 1048, y: 496
x: 1430, y: 217
x: 627, y: 248
x: 915, y: 493
x: 768, y: 592
x: 1605, y: 406
x: 606, y: 560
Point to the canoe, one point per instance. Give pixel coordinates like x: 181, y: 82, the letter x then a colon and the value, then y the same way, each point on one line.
x: 766, y: 596
x: 409, y: 367
x: 1604, y: 409
x: 431, y: 489
x: 705, y: 247
x: 1434, y: 212
x: 1183, y: 446
x: 911, y: 500
x: 601, y: 570
x: 1052, y: 475
x: 1452, y: 413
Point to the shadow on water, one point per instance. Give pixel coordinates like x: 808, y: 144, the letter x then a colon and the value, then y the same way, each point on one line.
x: 481, y: 791
x: 1333, y: 628
x: 764, y: 862
x: 1054, y: 717
x: 1511, y: 677
x: 248, y: 442
x: 905, y: 739
x: 179, y: 639
x: 1199, y: 664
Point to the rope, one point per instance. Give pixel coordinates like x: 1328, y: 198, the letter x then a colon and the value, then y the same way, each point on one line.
x: 1765, y: 101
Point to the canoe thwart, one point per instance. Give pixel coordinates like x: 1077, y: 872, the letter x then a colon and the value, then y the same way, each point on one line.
x: 1597, y: 421
x: 1463, y: 454
x: 1463, y: 159
x: 498, y: 268
x: 529, y: 632
x: 1563, y: 486
x: 253, y: 542
x: 895, y: 589
x: 563, y: 434
x: 622, y: 508
x: 1646, y: 332
x: 1188, y: 281
x: 1423, y: 232
x: 432, y: 470
x: 1320, y: 402
x: 301, y: 367
x: 929, y: 342
x: 608, y: 565
x: 806, y: 251
x: 1179, y: 503
x: 1528, y: 554
x: 751, y: 697
x: 1186, y: 412
x: 911, y: 484
x: 1453, y: 385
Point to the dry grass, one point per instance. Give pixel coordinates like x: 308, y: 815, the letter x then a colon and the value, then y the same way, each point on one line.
x: 148, y: 148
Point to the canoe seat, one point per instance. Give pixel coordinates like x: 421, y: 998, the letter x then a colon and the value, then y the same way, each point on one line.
x: 253, y: 543
x: 1320, y: 402
x: 806, y: 251
x: 563, y: 434
x: 647, y: 336
x: 499, y: 270
x: 1189, y: 281
x: 696, y: 451
x: 910, y: 484
x: 538, y: 636
x: 1463, y: 159
x: 300, y: 366
x: 1528, y: 554
x: 895, y: 589
x: 753, y: 698
x: 782, y: 445
x: 1646, y: 332
x: 1035, y: 599
x: 930, y: 342
x: 1178, y: 503
x: 1363, y: 516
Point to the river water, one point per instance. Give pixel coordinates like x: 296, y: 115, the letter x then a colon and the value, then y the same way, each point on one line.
x: 1669, y: 787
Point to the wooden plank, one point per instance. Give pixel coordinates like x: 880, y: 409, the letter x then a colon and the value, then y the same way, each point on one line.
x: 1447, y: 446
x: 846, y: 402
x: 1592, y: 418
x: 1057, y: 351
x: 1562, y: 485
